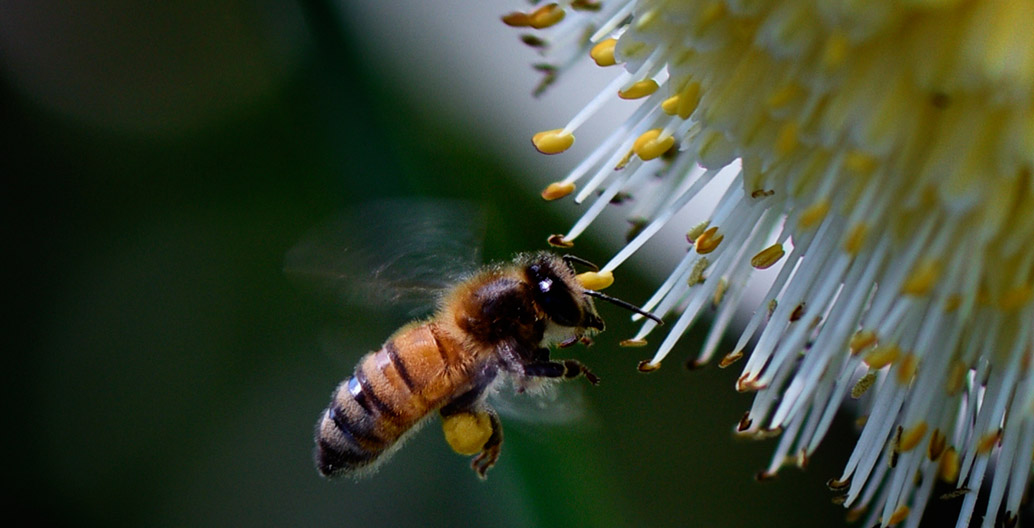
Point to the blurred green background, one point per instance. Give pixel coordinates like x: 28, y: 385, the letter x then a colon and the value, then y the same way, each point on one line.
x: 160, y: 160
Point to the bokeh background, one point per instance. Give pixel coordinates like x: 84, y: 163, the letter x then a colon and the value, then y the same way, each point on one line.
x: 159, y: 161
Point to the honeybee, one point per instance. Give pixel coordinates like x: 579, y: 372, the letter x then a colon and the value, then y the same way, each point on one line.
x: 496, y: 325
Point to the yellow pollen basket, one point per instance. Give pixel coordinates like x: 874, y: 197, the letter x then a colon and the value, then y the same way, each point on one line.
x: 467, y: 433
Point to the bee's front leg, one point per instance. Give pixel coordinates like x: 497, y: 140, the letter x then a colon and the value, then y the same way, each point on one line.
x: 565, y: 368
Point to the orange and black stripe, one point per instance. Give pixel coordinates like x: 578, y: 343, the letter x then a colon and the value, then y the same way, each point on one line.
x: 389, y: 392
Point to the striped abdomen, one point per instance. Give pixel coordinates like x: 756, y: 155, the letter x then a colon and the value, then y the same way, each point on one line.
x: 414, y: 373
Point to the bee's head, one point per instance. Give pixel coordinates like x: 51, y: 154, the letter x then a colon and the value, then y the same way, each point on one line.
x: 557, y: 293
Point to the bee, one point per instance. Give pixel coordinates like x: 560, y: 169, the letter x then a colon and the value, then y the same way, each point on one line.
x: 495, y: 325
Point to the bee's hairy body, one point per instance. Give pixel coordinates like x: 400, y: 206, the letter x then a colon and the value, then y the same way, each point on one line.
x: 497, y: 322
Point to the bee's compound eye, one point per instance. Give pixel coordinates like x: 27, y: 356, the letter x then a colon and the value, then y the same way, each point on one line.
x: 545, y: 285
x: 552, y: 297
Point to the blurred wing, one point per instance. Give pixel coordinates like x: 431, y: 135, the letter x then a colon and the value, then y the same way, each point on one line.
x: 396, y: 252
x: 553, y: 403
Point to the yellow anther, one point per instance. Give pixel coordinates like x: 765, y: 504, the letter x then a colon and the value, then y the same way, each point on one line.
x: 552, y: 141
x: 689, y: 98
x: 540, y: 18
x: 987, y: 442
x: 708, y: 241
x: 695, y: 231
x: 719, y: 291
x: 670, y: 105
x: 730, y: 358
x: 797, y: 313
x: 788, y: 138
x: 937, y: 444
x: 864, y: 384
x: 603, y: 52
x: 854, y: 514
x: 881, y: 356
x: 835, y: 52
x: 911, y: 437
x: 1016, y: 298
x: 907, y: 368
x: 948, y: 468
x: 595, y: 280
x: 546, y: 16
x: 646, y: 366
x: 644, y: 18
x: 956, y: 376
x: 633, y: 343
x: 557, y: 190
x: 856, y: 238
x: 559, y: 241
x: 696, y: 275
x: 860, y: 162
x: 639, y: 90
x: 586, y: 5
x: 862, y: 340
x: 767, y: 257
x: 953, y: 303
x: 467, y: 433
x: 651, y: 145
x: 899, y: 515
x: 517, y: 19
x: 783, y: 96
x: 710, y: 13
x: 923, y: 278
x: 814, y: 214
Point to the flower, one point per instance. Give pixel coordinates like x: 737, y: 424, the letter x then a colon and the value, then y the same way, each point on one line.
x: 883, y: 152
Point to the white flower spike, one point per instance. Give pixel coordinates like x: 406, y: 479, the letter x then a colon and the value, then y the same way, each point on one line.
x: 884, y: 155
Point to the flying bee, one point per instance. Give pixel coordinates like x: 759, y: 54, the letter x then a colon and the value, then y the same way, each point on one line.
x: 495, y: 325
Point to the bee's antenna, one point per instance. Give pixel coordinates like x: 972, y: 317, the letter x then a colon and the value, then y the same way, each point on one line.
x: 624, y: 304
x: 571, y: 260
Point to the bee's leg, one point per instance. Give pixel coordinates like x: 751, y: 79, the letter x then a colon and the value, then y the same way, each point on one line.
x: 473, y: 427
x: 490, y: 452
x: 565, y: 368
x: 540, y: 355
x: 569, y: 342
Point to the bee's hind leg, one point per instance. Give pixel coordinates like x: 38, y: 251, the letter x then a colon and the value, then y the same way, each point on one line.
x: 490, y: 451
x: 472, y: 427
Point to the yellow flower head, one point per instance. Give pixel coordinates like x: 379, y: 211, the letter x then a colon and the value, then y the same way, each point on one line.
x: 883, y: 154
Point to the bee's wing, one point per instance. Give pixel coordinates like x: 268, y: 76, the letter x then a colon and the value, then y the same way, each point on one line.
x: 400, y: 253
x: 551, y: 403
